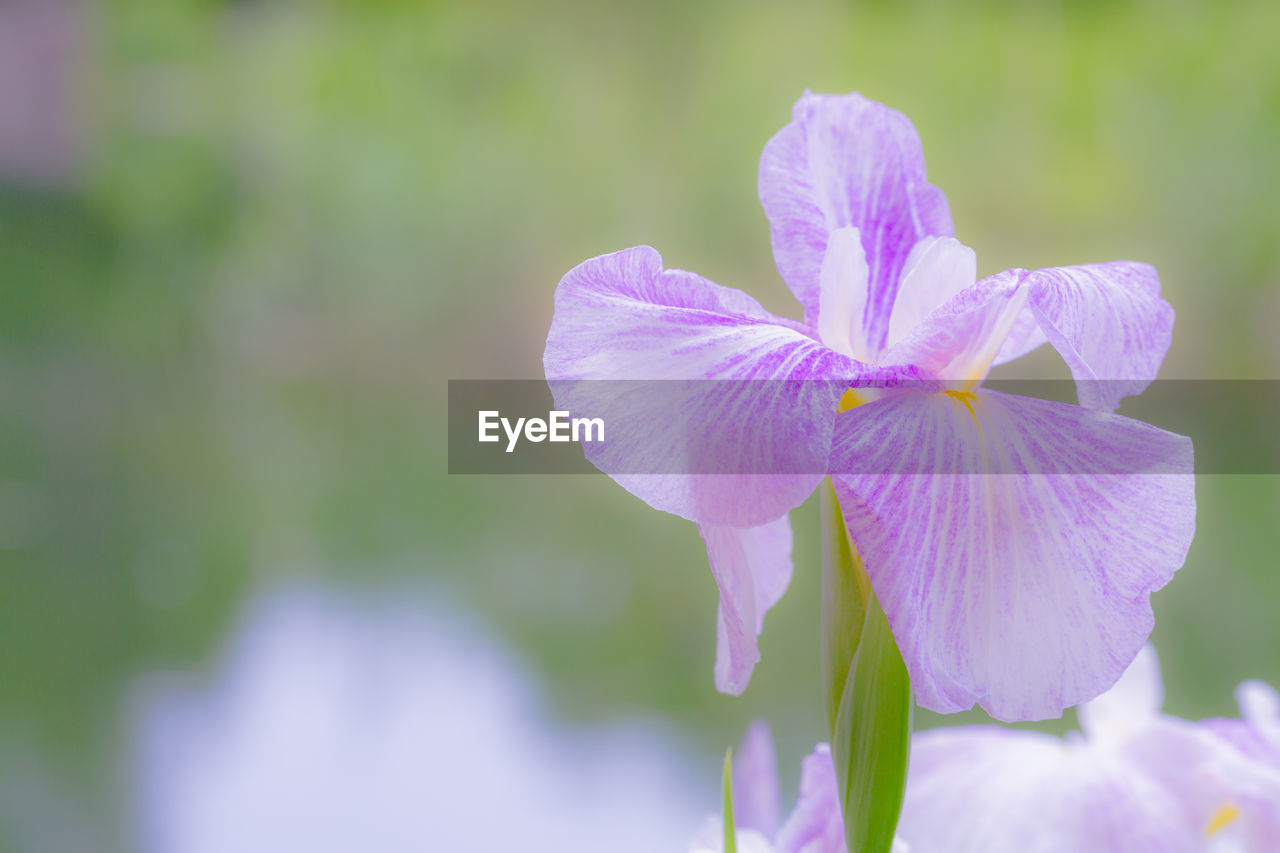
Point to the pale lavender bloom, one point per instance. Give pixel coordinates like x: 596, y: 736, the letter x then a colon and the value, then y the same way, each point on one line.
x: 1135, y: 781
x: 337, y: 726
x: 1022, y: 592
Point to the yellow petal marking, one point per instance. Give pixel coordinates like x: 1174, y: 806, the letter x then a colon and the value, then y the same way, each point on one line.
x: 850, y: 399
x: 1221, y: 818
x: 966, y: 399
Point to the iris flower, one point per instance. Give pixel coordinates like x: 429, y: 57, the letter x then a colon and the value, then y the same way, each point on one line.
x: 1134, y: 781
x: 1026, y: 590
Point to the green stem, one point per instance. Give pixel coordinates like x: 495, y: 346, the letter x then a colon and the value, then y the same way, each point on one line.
x: 865, y: 690
x: 730, y: 829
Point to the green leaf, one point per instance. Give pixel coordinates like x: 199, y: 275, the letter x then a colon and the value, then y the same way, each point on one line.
x: 730, y: 830
x: 866, y: 692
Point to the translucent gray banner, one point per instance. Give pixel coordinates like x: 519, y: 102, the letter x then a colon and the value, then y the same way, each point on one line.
x: 783, y: 427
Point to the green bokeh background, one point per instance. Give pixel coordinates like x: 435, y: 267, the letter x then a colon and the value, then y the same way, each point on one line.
x: 224, y: 341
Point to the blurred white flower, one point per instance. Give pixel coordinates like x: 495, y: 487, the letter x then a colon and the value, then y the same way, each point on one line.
x: 333, y: 726
x: 1135, y: 780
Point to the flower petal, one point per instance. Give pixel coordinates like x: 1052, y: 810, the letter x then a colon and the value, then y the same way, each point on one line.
x: 815, y: 826
x: 936, y: 270
x: 752, y: 566
x: 844, y: 160
x: 756, y: 800
x: 1026, y: 590
x: 842, y: 300
x: 1260, y: 706
x: 1108, y: 322
x: 960, y: 339
x: 1258, y: 733
x: 1131, y: 703
x: 983, y: 789
x: 1230, y: 798
x: 622, y: 317
x: 1025, y: 336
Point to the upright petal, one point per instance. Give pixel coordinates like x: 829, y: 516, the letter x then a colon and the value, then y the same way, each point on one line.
x: 842, y: 300
x: 960, y: 339
x: 767, y: 406
x: 937, y: 269
x: 1260, y: 706
x: 815, y: 826
x: 756, y: 800
x: 1026, y: 590
x: 844, y: 160
x: 752, y: 566
x: 1131, y: 703
x: 1257, y: 733
x: 1108, y: 322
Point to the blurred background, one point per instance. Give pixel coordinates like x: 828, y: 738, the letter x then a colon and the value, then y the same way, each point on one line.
x: 244, y: 245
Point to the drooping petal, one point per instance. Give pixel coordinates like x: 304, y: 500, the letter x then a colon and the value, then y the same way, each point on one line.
x: 743, y: 442
x: 844, y: 160
x: 937, y: 269
x: 756, y: 800
x: 1027, y: 589
x: 752, y: 566
x: 815, y: 826
x: 961, y: 339
x: 1131, y: 703
x: 1109, y: 323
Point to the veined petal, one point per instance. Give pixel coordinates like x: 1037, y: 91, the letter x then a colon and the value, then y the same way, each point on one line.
x: 1108, y: 322
x: 815, y: 826
x: 752, y: 566
x: 756, y: 800
x: 936, y: 270
x: 842, y: 161
x: 1024, y: 336
x: 961, y: 339
x: 770, y: 410
x: 1026, y: 590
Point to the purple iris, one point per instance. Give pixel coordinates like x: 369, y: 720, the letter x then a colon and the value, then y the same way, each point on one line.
x: 1025, y: 591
